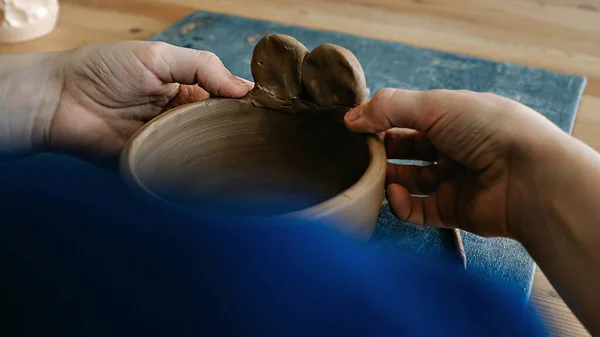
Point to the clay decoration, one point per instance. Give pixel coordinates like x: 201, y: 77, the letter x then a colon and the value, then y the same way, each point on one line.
x: 23, y: 20
x: 327, y: 81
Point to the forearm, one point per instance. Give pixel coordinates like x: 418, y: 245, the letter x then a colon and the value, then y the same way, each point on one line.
x: 29, y: 92
x: 563, y: 236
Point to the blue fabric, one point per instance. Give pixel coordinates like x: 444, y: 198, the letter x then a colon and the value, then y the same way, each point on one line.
x: 388, y: 64
x: 81, y: 256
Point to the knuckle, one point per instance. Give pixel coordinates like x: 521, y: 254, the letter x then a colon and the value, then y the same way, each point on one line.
x: 152, y: 54
x: 440, y: 95
x: 497, y: 104
x: 384, y: 92
x: 446, y: 101
x: 435, y: 100
x: 382, y: 99
x: 208, y: 56
x: 383, y: 95
x: 157, y: 47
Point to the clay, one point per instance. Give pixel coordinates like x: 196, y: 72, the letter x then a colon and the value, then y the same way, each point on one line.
x: 276, y: 65
x: 327, y: 81
x: 262, y: 99
x: 333, y: 76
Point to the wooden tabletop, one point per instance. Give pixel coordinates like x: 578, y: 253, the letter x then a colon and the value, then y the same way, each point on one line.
x: 559, y: 35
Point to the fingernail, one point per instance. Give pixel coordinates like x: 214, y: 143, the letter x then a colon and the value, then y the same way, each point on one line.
x: 353, y: 114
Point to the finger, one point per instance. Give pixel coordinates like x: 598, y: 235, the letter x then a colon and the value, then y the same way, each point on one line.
x: 189, y: 66
x: 416, y: 210
x: 387, y: 109
x: 449, y: 188
x: 416, y: 179
x: 408, y: 144
x: 187, y: 94
x: 469, y: 127
x: 418, y: 110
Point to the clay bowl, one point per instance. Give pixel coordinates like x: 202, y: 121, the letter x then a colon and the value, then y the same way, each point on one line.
x: 256, y: 162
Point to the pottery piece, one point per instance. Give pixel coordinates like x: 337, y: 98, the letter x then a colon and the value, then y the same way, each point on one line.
x: 276, y: 152
x: 23, y: 20
x: 227, y: 152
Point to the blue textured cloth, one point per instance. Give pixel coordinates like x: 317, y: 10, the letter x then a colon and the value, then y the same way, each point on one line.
x: 388, y: 64
x: 83, y: 257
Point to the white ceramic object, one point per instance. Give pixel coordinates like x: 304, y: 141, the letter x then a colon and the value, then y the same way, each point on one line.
x: 24, y: 20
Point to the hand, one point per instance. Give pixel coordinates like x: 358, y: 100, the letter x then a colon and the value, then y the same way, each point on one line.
x: 486, y: 148
x: 112, y: 90
x: 97, y: 96
x: 502, y: 170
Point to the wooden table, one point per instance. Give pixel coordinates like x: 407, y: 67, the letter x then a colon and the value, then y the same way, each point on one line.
x: 559, y: 35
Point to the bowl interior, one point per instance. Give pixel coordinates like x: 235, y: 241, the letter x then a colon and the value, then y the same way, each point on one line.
x: 228, y: 153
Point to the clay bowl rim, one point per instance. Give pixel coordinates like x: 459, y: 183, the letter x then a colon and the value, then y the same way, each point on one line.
x: 375, y: 169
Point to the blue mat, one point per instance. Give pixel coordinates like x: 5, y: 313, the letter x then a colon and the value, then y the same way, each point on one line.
x: 388, y: 64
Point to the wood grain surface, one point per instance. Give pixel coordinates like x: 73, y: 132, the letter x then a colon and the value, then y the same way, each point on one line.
x: 559, y: 35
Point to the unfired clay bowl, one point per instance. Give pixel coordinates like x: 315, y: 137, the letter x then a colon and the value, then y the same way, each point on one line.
x: 229, y: 154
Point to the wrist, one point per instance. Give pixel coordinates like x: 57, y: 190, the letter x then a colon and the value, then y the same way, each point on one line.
x: 554, y: 184
x: 558, y: 221
x: 29, y: 93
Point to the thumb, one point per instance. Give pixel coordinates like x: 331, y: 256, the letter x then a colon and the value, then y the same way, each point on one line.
x: 471, y: 128
x: 387, y: 109
x: 190, y: 66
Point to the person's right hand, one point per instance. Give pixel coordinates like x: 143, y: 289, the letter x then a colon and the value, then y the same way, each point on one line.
x: 489, y: 152
x: 502, y: 170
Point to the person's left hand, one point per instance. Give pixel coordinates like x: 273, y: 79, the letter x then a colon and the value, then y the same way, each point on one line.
x: 92, y: 99
x: 111, y: 90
